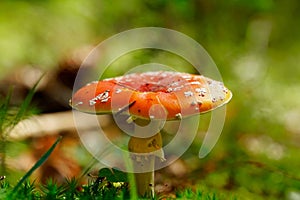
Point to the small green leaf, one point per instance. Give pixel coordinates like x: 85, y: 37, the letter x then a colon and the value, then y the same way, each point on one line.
x: 120, y: 176
x: 113, y: 175
x: 108, y: 174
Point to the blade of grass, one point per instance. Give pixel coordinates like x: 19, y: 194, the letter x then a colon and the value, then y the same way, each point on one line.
x: 25, y: 105
x: 7, y: 124
x: 36, y: 165
x: 4, y: 109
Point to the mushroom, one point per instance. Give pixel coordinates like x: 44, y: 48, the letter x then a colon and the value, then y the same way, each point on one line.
x: 149, y: 99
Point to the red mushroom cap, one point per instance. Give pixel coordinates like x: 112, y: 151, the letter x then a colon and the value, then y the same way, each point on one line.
x: 152, y: 95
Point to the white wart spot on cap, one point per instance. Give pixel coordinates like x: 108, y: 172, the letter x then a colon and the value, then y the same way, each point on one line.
x: 169, y: 90
x: 188, y: 93
x: 201, y: 91
x: 193, y: 103
x: 103, y: 97
x: 118, y: 91
x: 195, y: 83
x: 178, y: 88
x: 79, y: 103
x: 178, y: 115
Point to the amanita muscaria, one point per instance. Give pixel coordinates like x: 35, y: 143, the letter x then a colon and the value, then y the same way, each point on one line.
x: 151, y: 96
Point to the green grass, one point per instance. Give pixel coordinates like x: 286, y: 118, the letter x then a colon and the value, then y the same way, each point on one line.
x: 98, y: 188
x: 35, y: 166
x: 10, y: 116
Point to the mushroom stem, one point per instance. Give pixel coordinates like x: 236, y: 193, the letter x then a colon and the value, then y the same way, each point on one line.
x: 145, y: 181
x: 143, y: 160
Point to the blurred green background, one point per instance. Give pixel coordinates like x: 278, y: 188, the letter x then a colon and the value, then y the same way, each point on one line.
x: 255, y: 44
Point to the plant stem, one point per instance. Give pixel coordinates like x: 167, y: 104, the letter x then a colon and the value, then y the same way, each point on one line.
x: 2, y: 156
